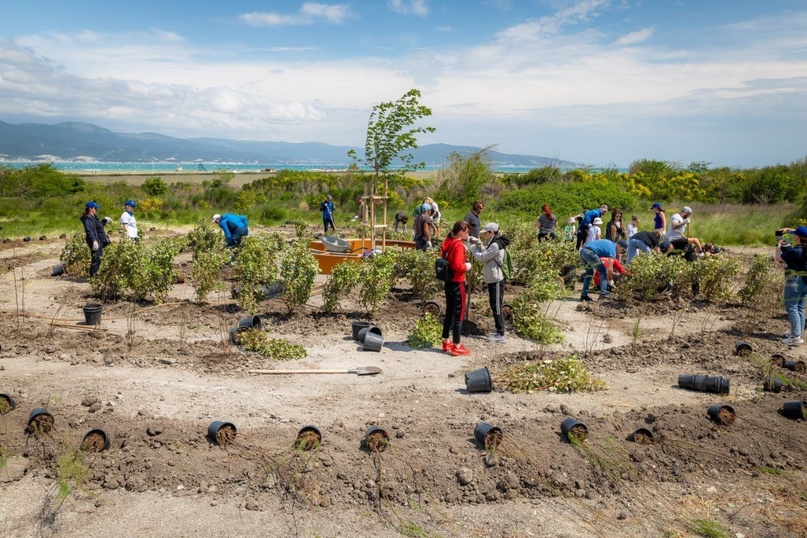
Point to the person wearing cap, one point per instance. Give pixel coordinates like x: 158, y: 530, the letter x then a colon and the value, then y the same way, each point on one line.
x: 472, y: 218
x: 795, y: 291
x: 646, y: 242
x: 423, y: 228
x: 570, y: 230
x: 492, y: 256
x: 235, y: 227
x: 95, y: 234
x: 546, y: 224
x: 128, y: 221
x: 594, y: 231
x: 587, y: 220
x: 659, y: 218
x: 599, y: 256
x: 327, y: 213
x: 453, y: 250
x: 677, y: 233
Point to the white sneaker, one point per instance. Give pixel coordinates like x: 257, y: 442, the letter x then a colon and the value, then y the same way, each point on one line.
x: 496, y: 337
x: 793, y: 341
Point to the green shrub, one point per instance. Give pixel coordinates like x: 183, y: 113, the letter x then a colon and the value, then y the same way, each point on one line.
x: 417, y: 266
x: 714, y: 276
x: 255, y: 266
x: 276, y: 349
x: 298, y: 268
x: 376, y: 280
x: 530, y: 321
x: 341, y: 282
x: 137, y: 270
x: 650, y: 275
x: 154, y: 186
x: 567, y: 374
x: 76, y: 256
x: 428, y: 332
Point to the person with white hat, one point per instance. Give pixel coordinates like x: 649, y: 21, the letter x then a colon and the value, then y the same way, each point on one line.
x: 234, y: 226
x: 594, y: 231
x: 677, y: 233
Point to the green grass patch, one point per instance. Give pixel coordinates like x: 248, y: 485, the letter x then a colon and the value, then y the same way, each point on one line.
x: 707, y: 528
x: 567, y: 374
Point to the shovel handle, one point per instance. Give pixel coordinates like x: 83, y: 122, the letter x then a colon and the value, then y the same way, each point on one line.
x: 279, y: 372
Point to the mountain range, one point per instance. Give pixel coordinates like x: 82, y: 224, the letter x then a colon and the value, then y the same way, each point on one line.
x: 84, y: 141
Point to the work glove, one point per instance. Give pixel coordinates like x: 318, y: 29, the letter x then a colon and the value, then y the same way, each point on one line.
x: 610, y: 283
x: 428, y: 244
x: 95, y: 246
x: 467, y: 267
x: 686, y: 221
x: 107, y: 220
x: 474, y: 240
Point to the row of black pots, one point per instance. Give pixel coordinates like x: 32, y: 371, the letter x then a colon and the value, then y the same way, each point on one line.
x: 704, y: 383
x: 41, y: 423
x: 370, y: 336
x: 794, y: 366
x: 376, y: 439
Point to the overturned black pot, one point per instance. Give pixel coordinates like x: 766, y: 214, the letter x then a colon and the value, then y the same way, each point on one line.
x: 772, y: 384
x: 222, y: 433
x: 40, y: 422
x: 642, y: 436
x: 796, y: 366
x: 7, y: 404
x: 574, y: 430
x: 356, y: 326
x: 722, y: 414
x: 95, y: 441
x: 235, y: 334
x: 777, y: 359
x: 57, y: 270
x: 250, y: 322
x: 308, y: 438
x: 704, y: 383
x: 372, y: 342
x: 432, y: 308
x: 478, y: 380
x: 364, y: 330
x: 376, y: 439
x: 742, y: 349
x: 795, y: 410
x: 489, y: 436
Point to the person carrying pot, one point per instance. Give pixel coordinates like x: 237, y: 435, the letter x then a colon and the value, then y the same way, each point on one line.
x: 453, y: 250
x: 492, y: 256
x: 95, y: 234
x: 128, y: 221
x: 235, y: 227
x: 795, y: 291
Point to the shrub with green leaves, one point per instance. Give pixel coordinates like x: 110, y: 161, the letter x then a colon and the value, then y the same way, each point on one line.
x: 428, y: 332
x: 276, y: 349
x: 567, y: 374
x: 298, y: 268
x: 76, y: 256
x: 341, y: 282
x: 154, y: 186
x: 650, y: 275
x: 531, y: 322
x: 417, y: 266
x: 209, y: 256
x: 255, y: 266
x: 714, y: 276
x: 376, y: 280
x: 761, y: 282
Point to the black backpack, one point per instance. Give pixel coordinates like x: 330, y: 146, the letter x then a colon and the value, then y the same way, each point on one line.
x: 442, y: 270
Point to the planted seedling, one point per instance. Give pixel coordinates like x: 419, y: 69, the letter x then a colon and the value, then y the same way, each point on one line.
x: 40, y: 425
x: 641, y: 437
x: 5, y: 404
x: 307, y: 440
x: 93, y: 442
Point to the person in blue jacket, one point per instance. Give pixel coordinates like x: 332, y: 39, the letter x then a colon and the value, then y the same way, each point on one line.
x: 235, y: 227
x: 599, y: 255
x: 586, y: 219
x: 327, y: 213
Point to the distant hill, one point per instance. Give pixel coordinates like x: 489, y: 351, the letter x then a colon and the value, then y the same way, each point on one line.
x: 75, y: 140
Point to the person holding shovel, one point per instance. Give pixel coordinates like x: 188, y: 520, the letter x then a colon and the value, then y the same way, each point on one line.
x: 327, y: 213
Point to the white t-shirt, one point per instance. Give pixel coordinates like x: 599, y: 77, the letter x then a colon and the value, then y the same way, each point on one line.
x: 677, y: 233
x: 129, y: 224
x: 632, y: 229
x: 594, y: 233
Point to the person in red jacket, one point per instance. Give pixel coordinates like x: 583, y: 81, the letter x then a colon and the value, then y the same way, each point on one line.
x: 453, y: 249
x: 618, y: 269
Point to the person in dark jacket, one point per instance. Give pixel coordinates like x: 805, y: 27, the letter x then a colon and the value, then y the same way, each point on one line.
x: 453, y: 250
x: 95, y: 235
x: 401, y: 218
x: 795, y: 294
x: 646, y: 242
x: 472, y: 218
x: 235, y: 227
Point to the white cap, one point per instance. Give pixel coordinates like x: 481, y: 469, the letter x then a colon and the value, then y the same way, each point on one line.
x: 216, y: 217
x: 598, y: 220
x: 686, y: 209
x: 491, y: 227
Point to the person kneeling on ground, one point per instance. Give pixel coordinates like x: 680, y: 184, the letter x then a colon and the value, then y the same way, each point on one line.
x: 453, y: 250
x: 599, y: 255
x: 493, y: 258
x: 235, y: 227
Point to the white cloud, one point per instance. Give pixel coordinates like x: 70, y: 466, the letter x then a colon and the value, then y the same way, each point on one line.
x: 309, y: 13
x: 405, y: 7
x: 634, y: 38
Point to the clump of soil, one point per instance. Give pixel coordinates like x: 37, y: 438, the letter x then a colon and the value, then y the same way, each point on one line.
x: 725, y: 416
x: 307, y: 440
x: 40, y: 425
x: 800, y: 367
x: 377, y: 441
x: 93, y: 442
x: 5, y: 404
x: 226, y: 435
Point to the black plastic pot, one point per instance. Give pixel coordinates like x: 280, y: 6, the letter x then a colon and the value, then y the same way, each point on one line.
x: 478, y: 380
x: 489, y: 436
x: 432, y: 308
x: 376, y: 439
x: 95, y: 441
x: 574, y: 430
x: 796, y: 366
x: 250, y: 322
x: 222, y: 433
x: 704, y: 383
x: 7, y: 404
x: 642, y: 436
x: 771, y: 384
x: 777, y: 359
x: 742, y: 349
x: 40, y: 422
x: 372, y: 342
x: 363, y: 332
x: 795, y: 410
x: 357, y: 326
x: 57, y: 270
x: 308, y: 438
x: 92, y: 313
x: 722, y: 414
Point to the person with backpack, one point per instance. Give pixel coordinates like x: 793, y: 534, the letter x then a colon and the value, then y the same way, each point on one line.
x: 493, y: 273
x: 326, y: 206
x: 453, y: 250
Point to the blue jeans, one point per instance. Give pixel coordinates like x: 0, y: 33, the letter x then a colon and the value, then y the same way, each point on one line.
x: 795, y: 297
x: 235, y: 238
x: 634, y: 245
x: 591, y: 262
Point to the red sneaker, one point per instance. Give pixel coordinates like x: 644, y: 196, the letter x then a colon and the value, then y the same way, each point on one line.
x: 448, y: 347
x: 459, y: 349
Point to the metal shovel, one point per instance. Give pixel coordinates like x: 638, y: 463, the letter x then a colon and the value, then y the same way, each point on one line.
x: 361, y: 370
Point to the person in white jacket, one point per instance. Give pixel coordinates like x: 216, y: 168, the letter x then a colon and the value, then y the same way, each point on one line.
x: 492, y: 255
x: 128, y: 221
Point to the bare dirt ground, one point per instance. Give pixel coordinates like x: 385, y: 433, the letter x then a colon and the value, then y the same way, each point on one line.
x: 154, y: 377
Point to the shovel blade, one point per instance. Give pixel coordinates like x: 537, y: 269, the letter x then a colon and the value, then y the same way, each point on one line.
x: 365, y: 370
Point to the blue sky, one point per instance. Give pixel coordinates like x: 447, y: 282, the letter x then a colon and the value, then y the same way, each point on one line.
x: 601, y: 82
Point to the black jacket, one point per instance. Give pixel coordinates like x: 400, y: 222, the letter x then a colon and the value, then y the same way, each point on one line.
x: 94, y: 230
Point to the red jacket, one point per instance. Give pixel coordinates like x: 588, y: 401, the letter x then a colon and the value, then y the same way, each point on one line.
x: 456, y: 258
x: 618, y: 268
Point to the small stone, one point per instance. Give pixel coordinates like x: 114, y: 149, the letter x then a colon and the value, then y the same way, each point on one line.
x: 167, y: 360
x: 250, y: 504
x: 94, y: 407
x: 14, y: 469
x: 465, y: 476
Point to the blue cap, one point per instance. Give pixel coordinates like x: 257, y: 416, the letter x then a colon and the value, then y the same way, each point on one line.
x: 801, y: 231
x: 622, y: 243
x: 129, y: 203
x: 92, y: 203
x: 655, y: 205
x: 426, y: 207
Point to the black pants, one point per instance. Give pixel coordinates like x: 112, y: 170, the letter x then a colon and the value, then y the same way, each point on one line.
x: 581, y: 238
x: 546, y: 236
x: 95, y: 263
x: 496, y: 296
x: 455, y: 310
